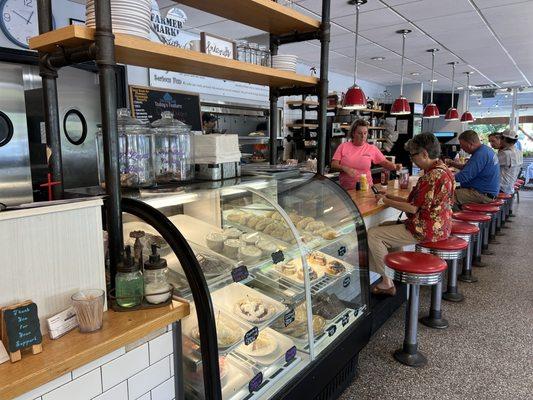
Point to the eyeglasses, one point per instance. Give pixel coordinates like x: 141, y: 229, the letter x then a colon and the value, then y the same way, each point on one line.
x: 413, y: 154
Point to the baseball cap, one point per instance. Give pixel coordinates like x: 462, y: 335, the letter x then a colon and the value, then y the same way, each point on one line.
x: 208, y: 117
x: 509, y: 134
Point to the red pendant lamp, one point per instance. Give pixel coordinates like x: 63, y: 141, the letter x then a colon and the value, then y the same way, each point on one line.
x: 355, y: 98
x: 431, y: 111
x: 467, y: 116
x: 452, y: 114
x: 401, y: 104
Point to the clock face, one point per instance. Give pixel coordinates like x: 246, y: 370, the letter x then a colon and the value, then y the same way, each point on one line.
x: 19, y: 20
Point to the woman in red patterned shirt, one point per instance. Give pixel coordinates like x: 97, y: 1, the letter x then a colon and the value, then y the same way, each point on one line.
x: 428, y: 209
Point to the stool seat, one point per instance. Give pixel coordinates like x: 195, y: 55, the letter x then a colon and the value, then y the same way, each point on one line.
x: 471, y: 216
x: 415, y: 263
x: 497, y: 203
x: 451, y: 244
x: 463, y: 228
x: 481, y: 208
x: 505, y: 196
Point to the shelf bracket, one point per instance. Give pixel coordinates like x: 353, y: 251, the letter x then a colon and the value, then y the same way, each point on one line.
x: 295, y: 37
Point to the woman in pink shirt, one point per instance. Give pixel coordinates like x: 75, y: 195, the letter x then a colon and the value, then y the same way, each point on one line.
x: 355, y: 157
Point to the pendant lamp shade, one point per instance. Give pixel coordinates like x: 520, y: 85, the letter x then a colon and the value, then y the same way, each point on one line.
x: 452, y: 114
x: 467, y: 116
x: 401, y: 104
x: 431, y: 110
x: 355, y: 98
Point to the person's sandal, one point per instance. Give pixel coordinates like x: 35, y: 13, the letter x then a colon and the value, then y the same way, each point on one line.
x: 376, y: 291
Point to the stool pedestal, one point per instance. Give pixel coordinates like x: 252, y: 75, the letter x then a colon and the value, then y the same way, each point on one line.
x: 434, y: 319
x: 452, y: 293
x: 466, y: 274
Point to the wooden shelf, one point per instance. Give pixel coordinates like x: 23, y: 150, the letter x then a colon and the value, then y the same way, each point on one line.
x: 301, y: 126
x: 266, y: 15
x: 302, y: 103
x: 76, y: 349
x: 132, y: 50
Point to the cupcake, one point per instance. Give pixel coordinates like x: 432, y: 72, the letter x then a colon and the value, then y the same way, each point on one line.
x: 231, y: 248
x: 249, y: 254
x: 266, y: 246
x: 250, y: 238
x: 232, y: 233
x: 215, y: 241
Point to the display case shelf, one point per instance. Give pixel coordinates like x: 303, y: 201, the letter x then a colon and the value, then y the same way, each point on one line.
x: 132, y: 50
x: 266, y: 15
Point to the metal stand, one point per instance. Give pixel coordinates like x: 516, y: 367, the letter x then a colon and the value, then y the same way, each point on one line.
x: 479, y: 246
x: 451, y: 293
x: 409, y: 354
x: 434, y: 319
x: 466, y: 275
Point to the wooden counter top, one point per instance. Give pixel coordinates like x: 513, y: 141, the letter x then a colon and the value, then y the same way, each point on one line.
x: 76, y: 349
x: 366, y: 201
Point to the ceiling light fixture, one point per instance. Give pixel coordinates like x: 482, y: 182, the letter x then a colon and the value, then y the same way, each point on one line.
x: 355, y: 98
x: 415, y: 73
x: 467, y: 116
x: 378, y: 58
x: 431, y: 110
x: 452, y: 114
x: 401, y: 105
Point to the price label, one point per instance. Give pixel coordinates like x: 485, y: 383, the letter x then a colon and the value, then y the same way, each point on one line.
x: 278, y: 257
x: 289, y: 317
x: 239, y: 273
x: 290, y: 354
x: 251, y: 335
x: 256, y: 382
x: 345, y: 319
x: 346, y: 281
x: 331, y: 330
x: 342, y: 251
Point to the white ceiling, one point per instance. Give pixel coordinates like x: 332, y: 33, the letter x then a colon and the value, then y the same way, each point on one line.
x: 493, y: 38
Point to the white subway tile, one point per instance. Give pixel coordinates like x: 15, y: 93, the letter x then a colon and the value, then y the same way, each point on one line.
x: 172, y: 364
x: 84, y: 388
x: 146, y: 396
x: 148, y: 378
x: 97, y: 363
x: 147, y: 338
x: 119, y: 392
x: 124, y: 367
x: 47, y: 387
x: 160, y: 347
x: 165, y: 391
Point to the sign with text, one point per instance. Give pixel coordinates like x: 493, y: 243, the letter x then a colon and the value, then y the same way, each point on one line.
x: 217, y: 46
x: 21, y: 326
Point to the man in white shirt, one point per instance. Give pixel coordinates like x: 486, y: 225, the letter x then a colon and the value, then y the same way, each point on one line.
x: 510, y: 161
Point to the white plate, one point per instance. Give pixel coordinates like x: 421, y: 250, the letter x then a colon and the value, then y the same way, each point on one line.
x: 294, y: 278
x: 284, y: 343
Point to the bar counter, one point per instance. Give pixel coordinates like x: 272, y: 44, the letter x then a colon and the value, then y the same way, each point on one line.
x: 367, y: 203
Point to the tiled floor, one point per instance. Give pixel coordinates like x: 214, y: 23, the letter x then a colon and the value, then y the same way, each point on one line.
x: 486, y: 353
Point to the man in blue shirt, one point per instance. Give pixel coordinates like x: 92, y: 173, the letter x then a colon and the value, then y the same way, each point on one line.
x: 480, y: 176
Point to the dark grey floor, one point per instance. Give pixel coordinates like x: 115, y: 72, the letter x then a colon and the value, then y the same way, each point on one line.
x: 486, y: 353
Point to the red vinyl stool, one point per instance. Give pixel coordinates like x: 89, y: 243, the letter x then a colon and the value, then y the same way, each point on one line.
x: 485, y: 208
x: 500, y: 216
x: 451, y: 250
x: 467, y: 232
x: 508, y: 198
x: 482, y: 221
x: 414, y: 269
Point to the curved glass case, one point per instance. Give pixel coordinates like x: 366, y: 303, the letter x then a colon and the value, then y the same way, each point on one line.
x: 285, y: 264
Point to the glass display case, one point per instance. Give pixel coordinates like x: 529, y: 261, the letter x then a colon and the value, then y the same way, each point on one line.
x: 285, y: 264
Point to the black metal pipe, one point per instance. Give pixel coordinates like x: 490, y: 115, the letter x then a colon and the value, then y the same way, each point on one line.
x: 71, y: 56
x: 179, y: 393
x: 51, y: 106
x: 274, y: 116
x: 296, y: 91
x: 105, y: 60
x: 199, y: 290
x: 295, y: 37
x: 323, y: 86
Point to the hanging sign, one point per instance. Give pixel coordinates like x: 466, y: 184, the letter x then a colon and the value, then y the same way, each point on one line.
x: 217, y: 46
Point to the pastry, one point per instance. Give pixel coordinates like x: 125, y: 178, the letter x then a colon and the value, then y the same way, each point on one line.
x: 329, y: 234
x: 244, y: 219
x: 314, y: 226
x: 327, y: 306
x: 250, y: 238
x: 335, y: 267
x: 231, y: 248
x: 278, y: 232
x: 298, y: 328
x: 212, y: 266
x: 287, y: 236
x: 304, y: 222
x: 317, y: 258
x: 249, y: 254
x: 253, y: 309
x: 312, y: 274
x: 288, y: 269
x: 215, y: 241
x: 270, y: 228
x: 266, y: 246
x: 232, y: 233
x: 277, y: 216
x: 252, y: 222
x: 262, y: 224
x: 235, y: 216
x: 295, y: 218
x: 260, y: 347
x: 228, y: 333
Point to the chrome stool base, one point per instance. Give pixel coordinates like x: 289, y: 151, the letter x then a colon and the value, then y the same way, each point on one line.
x: 454, y: 297
x: 435, y: 323
x: 416, y: 360
x: 468, y: 278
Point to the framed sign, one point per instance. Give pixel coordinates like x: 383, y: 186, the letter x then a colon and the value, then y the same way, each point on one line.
x: 147, y: 104
x: 21, y: 329
x: 74, y: 21
x: 217, y: 46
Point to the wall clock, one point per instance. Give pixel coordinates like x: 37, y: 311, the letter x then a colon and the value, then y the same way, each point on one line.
x: 19, y: 20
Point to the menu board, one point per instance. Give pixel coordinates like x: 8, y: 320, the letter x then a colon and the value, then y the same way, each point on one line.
x: 147, y: 103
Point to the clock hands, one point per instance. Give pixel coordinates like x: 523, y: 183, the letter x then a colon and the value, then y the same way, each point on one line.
x: 27, y: 20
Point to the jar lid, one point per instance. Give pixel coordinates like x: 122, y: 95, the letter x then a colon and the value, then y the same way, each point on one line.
x: 128, y: 263
x: 155, y: 261
x: 168, y: 124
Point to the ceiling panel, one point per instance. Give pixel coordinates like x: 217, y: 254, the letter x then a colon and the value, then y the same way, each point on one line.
x: 496, y: 3
x: 230, y: 29
x: 340, y: 8
x: 433, y: 8
x: 371, y: 20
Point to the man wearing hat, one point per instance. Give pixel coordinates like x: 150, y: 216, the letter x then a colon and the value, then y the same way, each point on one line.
x: 509, y: 157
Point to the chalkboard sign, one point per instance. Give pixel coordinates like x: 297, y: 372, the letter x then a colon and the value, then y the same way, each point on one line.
x: 147, y: 104
x: 21, y: 326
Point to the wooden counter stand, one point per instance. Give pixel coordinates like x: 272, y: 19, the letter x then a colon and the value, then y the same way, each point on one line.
x: 366, y: 201
x: 77, y: 349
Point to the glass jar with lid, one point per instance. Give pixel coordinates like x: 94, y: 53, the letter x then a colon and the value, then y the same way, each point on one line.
x: 172, y: 149
x: 264, y: 54
x: 135, y: 152
x: 156, y: 286
x: 254, y: 50
x: 242, y: 50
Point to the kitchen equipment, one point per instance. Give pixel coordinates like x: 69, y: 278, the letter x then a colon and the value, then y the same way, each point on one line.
x: 172, y: 143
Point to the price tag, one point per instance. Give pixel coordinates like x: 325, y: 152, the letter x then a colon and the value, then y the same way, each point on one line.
x: 278, y: 257
x: 290, y: 354
x: 346, y: 281
x: 345, y: 319
x: 331, y: 330
x: 342, y: 251
x: 256, y: 382
x: 289, y: 317
x: 239, y: 273
x: 251, y: 335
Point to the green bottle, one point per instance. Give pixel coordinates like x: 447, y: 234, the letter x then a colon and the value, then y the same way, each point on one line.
x: 129, y: 282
